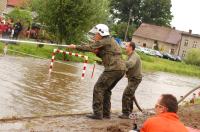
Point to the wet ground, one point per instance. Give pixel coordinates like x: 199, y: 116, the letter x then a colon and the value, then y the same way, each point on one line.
x: 26, y: 88
x: 189, y: 115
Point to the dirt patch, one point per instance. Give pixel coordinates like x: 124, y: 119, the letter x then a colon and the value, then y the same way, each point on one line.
x: 189, y: 115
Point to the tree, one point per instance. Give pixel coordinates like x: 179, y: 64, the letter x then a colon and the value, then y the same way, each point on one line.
x: 124, y: 9
x: 149, y: 11
x: 22, y: 15
x: 156, y: 12
x: 119, y: 30
x: 193, y: 57
x: 69, y: 20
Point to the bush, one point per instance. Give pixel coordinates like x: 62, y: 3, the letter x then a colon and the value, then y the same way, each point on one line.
x: 23, y: 15
x: 193, y: 57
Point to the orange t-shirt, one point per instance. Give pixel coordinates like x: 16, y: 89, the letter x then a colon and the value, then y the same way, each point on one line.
x: 165, y: 122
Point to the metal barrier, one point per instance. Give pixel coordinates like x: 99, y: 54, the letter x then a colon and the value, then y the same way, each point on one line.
x: 57, y: 51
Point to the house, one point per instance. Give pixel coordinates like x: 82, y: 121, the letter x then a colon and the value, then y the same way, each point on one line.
x: 188, y: 41
x: 15, y: 3
x: 9, y: 5
x: 166, y: 39
x: 157, y: 37
x: 3, y: 4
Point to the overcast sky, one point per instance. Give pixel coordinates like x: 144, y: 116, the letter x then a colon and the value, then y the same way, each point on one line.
x: 186, y: 15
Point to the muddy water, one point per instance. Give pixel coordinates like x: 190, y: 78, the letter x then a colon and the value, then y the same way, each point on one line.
x: 26, y: 88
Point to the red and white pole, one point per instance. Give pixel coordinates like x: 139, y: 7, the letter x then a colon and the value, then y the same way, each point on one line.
x: 56, y: 51
x: 52, y: 60
x: 84, y: 67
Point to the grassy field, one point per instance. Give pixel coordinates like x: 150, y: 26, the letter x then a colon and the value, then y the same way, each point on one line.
x: 46, y: 52
x: 149, y: 63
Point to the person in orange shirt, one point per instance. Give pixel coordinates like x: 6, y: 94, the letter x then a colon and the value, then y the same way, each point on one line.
x: 166, y: 119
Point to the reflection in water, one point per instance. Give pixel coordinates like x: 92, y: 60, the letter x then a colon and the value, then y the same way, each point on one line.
x: 26, y: 88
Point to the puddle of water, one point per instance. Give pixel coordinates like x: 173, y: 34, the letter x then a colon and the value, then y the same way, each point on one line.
x: 11, y: 126
x: 27, y: 90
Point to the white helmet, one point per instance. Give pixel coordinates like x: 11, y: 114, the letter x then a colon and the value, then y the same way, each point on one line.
x: 102, y: 29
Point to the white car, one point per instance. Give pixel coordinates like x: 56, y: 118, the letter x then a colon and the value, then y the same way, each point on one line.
x: 158, y: 54
x: 141, y: 49
x: 148, y: 51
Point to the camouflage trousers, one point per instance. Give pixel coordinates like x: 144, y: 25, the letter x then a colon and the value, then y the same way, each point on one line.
x: 102, y: 92
x: 128, y: 95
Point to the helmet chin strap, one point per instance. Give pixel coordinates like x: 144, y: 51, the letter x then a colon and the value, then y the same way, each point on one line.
x: 97, y: 37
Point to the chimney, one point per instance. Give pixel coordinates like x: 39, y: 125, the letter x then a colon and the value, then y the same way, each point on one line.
x: 174, y: 28
x: 190, y: 31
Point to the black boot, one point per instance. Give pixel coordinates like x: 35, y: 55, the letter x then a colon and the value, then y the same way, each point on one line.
x: 106, y: 116
x: 93, y: 116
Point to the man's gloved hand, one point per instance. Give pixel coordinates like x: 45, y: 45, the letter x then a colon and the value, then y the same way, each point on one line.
x: 96, y: 51
x: 71, y: 46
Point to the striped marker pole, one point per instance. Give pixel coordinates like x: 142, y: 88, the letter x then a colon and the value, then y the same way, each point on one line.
x: 52, y: 60
x: 57, y: 51
x: 93, y: 71
x: 84, y: 67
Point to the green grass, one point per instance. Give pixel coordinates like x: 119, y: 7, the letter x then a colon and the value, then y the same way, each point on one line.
x: 149, y: 63
x: 197, y: 101
x: 46, y: 52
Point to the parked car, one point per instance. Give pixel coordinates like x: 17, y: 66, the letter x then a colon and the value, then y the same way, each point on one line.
x: 150, y: 52
x: 141, y: 49
x: 168, y: 56
x: 137, y: 48
x: 155, y: 53
x: 178, y: 58
x: 158, y: 54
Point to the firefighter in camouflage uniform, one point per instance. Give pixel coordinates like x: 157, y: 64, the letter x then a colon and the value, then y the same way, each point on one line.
x: 134, y: 75
x: 109, y: 51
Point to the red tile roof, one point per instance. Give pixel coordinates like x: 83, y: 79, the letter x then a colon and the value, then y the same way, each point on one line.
x: 15, y: 3
x: 159, y: 33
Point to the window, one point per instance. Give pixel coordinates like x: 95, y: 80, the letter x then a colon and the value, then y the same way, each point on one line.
x: 195, y: 44
x: 144, y: 45
x: 172, y: 51
x: 184, y: 53
x: 186, y: 43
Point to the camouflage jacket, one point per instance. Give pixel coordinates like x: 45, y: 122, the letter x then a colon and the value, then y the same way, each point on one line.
x: 134, y: 66
x: 109, y: 51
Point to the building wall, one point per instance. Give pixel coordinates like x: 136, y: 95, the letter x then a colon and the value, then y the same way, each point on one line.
x: 188, y: 42
x: 3, y: 4
x: 163, y: 47
x: 8, y: 9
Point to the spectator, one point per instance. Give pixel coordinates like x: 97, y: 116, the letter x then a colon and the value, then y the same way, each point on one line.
x: 1, y: 28
x: 17, y: 29
x: 11, y: 27
x: 192, y: 101
x: 166, y: 119
x: 6, y: 31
